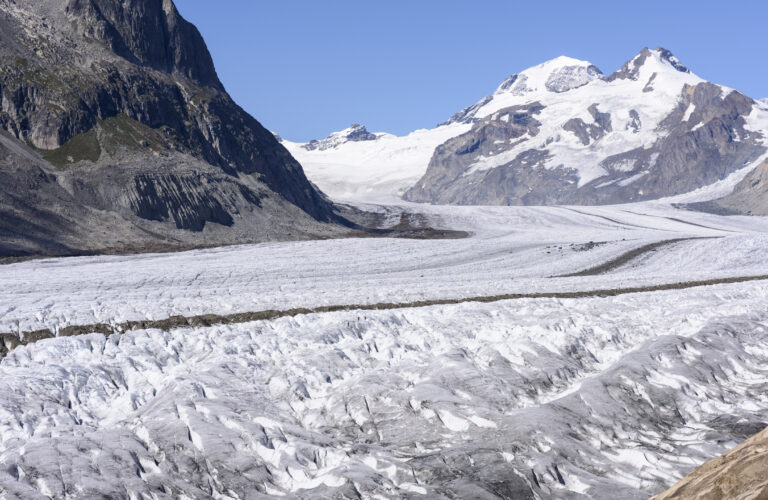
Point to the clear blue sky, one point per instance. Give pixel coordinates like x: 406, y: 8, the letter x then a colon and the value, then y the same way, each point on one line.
x: 307, y: 68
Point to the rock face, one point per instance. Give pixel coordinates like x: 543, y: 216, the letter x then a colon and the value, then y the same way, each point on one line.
x: 116, y: 134
x: 738, y: 475
x: 650, y: 130
x: 749, y: 197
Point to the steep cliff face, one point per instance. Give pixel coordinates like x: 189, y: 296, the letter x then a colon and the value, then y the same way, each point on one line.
x: 118, y: 104
x: 750, y: 195
x: 146, y: 32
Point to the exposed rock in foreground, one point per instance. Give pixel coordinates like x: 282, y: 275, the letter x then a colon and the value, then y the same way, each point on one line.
x: 741, y: 474
x: 116, y: 135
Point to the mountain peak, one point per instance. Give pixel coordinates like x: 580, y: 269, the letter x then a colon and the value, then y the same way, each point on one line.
x: 146, y: 32
x: 669, y: 58
x: 120, y: 99
x: 560, y: 74
x: 659, y: 58
x: 353, y: 133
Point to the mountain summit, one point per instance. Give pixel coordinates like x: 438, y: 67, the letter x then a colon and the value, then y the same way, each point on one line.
x: 354, y: 133
x: 568, y: 135
x: 554, y: 76
x: 557, y: 75
x: 116, y: 134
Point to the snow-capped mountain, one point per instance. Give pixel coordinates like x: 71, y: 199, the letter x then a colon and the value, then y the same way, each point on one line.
x: 555, y: 76
x: 353, y: 133
x: 561, y: 132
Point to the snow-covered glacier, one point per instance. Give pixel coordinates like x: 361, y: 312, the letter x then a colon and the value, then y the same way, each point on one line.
x: 583, y: 397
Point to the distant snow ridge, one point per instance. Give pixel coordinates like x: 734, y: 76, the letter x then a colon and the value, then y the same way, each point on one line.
x: 354, y: 133
x: 557, y: 75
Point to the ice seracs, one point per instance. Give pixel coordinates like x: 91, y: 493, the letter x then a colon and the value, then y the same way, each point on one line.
x: 592, y: 397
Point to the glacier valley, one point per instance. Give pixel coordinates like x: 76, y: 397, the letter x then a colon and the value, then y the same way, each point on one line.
x: 593, y: 396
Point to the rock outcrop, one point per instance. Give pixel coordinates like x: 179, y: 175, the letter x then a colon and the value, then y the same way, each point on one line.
x: 741, y: 474
x: 749, y: 197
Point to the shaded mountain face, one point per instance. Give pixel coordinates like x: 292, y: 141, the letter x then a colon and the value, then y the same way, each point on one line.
x: 749, y: 197
x: 562, y: 133
x: 116, y: 134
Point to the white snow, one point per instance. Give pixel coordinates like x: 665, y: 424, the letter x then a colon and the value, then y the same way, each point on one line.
x: 633, y: 178
x: 561, y: 72
x: 511, y: 250
x: 615, y: 358
x: 688, y: 112
x: 616, y: 98
x: 373, y: 171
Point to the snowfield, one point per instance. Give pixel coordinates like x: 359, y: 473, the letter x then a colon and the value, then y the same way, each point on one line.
x: 595, y: 397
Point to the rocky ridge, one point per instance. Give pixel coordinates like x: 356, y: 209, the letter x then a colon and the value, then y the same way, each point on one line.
x: 117, y: 135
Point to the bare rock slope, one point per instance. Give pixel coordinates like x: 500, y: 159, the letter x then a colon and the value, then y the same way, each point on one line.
x: 738, y: 475
x: 117, y: 135
x: 749, y: 197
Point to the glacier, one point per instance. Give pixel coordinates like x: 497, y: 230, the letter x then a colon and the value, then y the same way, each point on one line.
x: 592, y: 397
